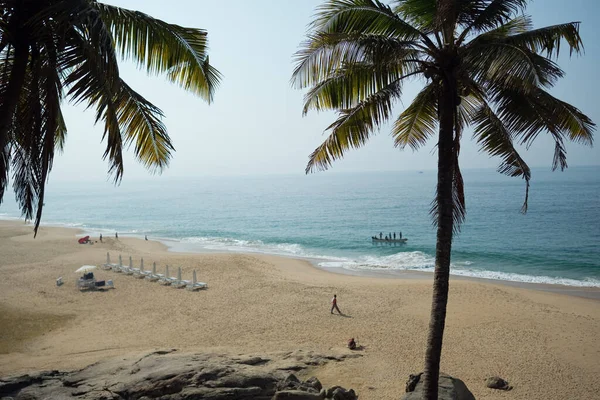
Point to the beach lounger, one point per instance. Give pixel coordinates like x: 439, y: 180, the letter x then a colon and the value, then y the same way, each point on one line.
x: 128, y: 270
x: 153, y: 276
x: 86, y: 282
x: 180, y: 283
x: 108, y: 265
x: 195, y: 285
x: 166, y: 280
x: 140, y: 273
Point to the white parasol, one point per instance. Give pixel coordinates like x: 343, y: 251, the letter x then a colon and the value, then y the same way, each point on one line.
x: 85, y: 268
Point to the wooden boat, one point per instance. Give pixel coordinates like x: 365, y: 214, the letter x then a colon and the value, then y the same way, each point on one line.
x: 377, y: 240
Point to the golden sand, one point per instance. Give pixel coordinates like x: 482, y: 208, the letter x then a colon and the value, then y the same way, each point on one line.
x: 545, y: 344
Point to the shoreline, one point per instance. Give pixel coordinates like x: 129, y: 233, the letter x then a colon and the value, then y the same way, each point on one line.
x: 543, y: 343
x: 170, y: 245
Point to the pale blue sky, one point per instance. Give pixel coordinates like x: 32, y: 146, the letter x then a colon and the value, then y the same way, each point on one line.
x: 255, y: 125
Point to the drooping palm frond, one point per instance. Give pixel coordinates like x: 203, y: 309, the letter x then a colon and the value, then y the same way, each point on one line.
x: 529, y: 114
x: 495, y: 139
x: 418, y: 122
x: 353, y: 127
x: 141, y: 123
x: 163, y: 48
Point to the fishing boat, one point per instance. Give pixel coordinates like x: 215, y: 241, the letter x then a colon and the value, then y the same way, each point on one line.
x: 377, y: 240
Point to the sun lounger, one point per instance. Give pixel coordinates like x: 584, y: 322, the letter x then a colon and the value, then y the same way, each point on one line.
x: 108, y: 264
x: 140, y: 273
x: 128, y: 270
x: 153, y: 276
x: 179, y: 283
x: 86, y: 282
x: 166, y: 280
x: 195, y: 285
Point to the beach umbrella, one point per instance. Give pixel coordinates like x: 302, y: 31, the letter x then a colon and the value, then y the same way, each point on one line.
x: 107, y: 257
x: 120, y: 261
x: 194, y: 278
x: 130, y: 262
x: 179, y: 274
x: 154, y: 268
x: 167, y: 271
x: 142, y: 265
x: 85, y: 268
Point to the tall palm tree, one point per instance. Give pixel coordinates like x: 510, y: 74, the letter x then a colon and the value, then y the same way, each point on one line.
x: 52, y: 50
x: 482, y: 65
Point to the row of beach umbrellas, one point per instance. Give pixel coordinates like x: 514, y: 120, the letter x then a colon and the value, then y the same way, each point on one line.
x: 152, y: 275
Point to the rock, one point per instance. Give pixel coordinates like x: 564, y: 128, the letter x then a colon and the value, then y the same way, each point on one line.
x: 342, y: 394
x: 329, y: 392
x: 412, y: 382
x: 174, y: 376
x: 296, y: 395
x: 314, y: 383
x: 495, y: 382
x: 449, y: 388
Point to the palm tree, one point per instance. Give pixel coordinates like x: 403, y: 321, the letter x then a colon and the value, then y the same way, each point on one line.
x: 482, y: 65
x: 51, y: 50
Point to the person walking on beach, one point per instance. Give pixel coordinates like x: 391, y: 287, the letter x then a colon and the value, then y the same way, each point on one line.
x: 146, y: 237
x: 100, y: 238
x: 334, y: 305
x: 116, y: 235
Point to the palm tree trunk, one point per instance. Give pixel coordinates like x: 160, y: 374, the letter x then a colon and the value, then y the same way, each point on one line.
x: 446, y: 155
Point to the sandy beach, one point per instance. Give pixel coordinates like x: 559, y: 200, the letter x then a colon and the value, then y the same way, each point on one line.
x: 543, y: 342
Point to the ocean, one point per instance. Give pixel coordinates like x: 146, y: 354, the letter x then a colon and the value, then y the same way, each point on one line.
x: 330, y: 217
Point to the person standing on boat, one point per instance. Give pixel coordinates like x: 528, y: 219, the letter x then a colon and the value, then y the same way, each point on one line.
x: 394, y: 235
x: 334, y: 305
x: 380, y: 235
x: 400, y: 235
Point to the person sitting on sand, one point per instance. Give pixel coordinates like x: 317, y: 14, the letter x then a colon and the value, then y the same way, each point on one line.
x: 352, y: 344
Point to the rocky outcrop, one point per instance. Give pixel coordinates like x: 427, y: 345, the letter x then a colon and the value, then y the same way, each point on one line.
x: 169, y: 375
x: 449, y: 388
x: 495, y: 382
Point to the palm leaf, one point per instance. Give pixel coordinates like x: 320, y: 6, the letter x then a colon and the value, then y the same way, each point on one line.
x: 163, y: 48
x: 353, y: 127
x: 496, y: 140
x: 418, y: 122
x: 141, y: 123
x: 324, y: 53
x: 352, y: 84
x: 489, y: 15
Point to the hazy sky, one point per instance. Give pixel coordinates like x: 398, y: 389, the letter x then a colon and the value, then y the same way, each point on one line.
x: 255, y: 124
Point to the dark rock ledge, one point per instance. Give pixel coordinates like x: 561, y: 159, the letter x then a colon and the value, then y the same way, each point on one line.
x: 169, y: 375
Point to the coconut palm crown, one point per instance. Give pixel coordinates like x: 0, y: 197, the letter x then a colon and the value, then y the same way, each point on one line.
x: 55, y: 50
x: 482, y: 65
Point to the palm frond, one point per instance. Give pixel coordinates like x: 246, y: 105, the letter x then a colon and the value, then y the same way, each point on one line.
x: 353, y: 127
x: 528, y: 114
x: 141, y: 123
x: 498, y: 64
x: 322, y: 54
x: 418, y: 122
x: 548, y: 39
x: 366, y: 16
x: 496, y: 140
x: 488, y: 15
x: 353, y: 83
x: 421, y: 13
x: 162, y: 48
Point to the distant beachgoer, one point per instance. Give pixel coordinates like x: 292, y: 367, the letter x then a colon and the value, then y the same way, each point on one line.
x: 390, y: 236
x: 352, y: 344
x: 394, y: 235
x: 400, y: 235
x: 100, y: 238
x: 116, y: 235
x: 334, y: 305
x: 380, y: 235
x: 146, y: 237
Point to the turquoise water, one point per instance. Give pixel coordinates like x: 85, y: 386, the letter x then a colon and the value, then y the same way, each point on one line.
x: 330, y: 217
